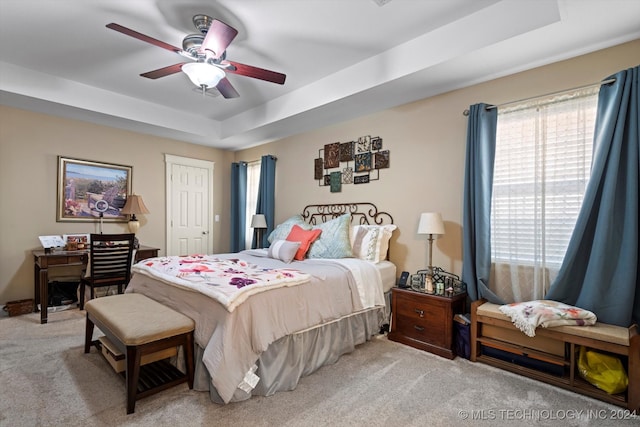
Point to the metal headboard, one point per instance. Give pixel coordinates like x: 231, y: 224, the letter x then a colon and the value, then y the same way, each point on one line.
x: 361, y: 213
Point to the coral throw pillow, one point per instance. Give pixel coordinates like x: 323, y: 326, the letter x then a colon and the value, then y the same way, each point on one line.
x: 305, y: 237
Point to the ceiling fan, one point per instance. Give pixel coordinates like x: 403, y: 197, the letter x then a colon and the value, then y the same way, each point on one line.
x: 207, y: 52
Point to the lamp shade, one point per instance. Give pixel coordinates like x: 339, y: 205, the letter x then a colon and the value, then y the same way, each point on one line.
x: 258, y: 221
x: 431, y: 223
x: 134, y: 205
x: 203, y: 74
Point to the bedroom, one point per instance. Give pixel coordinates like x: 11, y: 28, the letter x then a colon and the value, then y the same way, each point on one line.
x: 423, y: 136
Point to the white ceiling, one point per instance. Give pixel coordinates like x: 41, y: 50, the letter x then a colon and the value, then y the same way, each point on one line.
x: 342, y: 58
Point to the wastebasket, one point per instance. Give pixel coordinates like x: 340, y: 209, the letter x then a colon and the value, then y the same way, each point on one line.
x: 462, y: 339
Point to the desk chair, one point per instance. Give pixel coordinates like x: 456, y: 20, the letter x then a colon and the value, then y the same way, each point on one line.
x: 110, y: 257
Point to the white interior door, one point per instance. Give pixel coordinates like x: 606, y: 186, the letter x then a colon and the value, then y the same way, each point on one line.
x: 189, y: 205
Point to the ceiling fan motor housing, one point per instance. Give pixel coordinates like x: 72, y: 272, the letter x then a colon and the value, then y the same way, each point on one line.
x: 191, y: 43
x: 202, y: 23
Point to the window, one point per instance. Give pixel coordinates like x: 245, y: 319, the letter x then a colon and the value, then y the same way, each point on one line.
x: 253, y: 182
x: 542, y: 165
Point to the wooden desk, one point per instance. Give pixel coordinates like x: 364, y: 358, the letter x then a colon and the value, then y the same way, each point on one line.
x: 42, y: 261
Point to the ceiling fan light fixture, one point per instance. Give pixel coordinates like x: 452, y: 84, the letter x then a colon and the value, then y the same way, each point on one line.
x: 203, y: 74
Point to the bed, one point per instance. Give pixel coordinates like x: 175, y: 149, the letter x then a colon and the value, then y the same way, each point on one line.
x: 264, y: 320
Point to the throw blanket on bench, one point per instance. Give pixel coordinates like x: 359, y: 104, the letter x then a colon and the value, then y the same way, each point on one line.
x: 230, y: 281
x: 527, y: 316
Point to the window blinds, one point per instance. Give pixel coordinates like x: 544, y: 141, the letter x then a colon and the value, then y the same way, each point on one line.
x: 542, y: 164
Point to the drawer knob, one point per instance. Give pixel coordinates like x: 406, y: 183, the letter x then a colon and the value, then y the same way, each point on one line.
x: 420, y: 312
x: 418, y: 328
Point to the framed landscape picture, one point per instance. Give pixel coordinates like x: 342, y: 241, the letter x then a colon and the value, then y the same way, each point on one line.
x: 83, y: 183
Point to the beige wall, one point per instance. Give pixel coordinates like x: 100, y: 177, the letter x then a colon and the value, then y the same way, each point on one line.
x: 426, y: 140
x: 29, y: 146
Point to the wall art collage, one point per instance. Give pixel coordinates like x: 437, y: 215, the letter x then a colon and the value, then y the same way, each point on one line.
x: 358, y: 162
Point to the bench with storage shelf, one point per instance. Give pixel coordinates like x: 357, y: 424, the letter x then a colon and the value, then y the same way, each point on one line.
x: 552, y: 355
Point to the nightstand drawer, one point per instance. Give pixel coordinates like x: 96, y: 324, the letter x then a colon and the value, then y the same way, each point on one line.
x: 419, y: 306
x: 426, y: 330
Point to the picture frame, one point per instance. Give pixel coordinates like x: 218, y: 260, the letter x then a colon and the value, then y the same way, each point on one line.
x: 83, y: 183
x: 362, y: 162
x: 363, y: 145
x: 332, y: 155
x: 346, y: 151
x: 77, y: 241
x: 376, y: 143
x: 381, y: 159
x: 361, y: 179
x: 318, y: 168
x: 336, y: 182
x: 347, y: 175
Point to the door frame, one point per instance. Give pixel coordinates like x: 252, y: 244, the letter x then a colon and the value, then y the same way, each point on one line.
x: 170, y: 160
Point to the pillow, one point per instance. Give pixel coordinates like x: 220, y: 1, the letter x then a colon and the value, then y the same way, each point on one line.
x: 371, y: 242
x: 283, y: 250
x: 282, y: 231
x: 305, y: 237
x: 334, y: 241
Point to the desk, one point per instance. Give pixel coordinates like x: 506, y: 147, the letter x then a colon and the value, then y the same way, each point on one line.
x: 42, y: 261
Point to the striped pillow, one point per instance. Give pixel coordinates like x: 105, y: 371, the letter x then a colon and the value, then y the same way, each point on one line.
x: 283, y: 250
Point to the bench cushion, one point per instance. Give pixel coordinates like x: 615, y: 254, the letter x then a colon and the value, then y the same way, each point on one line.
x: 599, y: 331
x: 136, y: 319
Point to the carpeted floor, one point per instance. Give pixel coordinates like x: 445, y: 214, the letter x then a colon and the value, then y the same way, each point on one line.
x: 47, y: 380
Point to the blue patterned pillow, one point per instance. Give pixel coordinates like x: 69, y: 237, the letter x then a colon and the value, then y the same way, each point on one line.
x: 282, y: 231
x: 334, y: 240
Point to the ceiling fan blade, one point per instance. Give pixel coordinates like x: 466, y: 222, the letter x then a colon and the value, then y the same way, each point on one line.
x: 166, y: 71
x: 226, y: 89
x: 219, y: 36
x: 144, y: 38
x: 255, y: 72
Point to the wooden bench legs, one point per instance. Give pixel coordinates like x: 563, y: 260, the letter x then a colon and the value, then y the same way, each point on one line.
x: 143, y: 381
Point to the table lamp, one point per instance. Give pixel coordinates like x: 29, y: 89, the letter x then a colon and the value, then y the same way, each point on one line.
x: 133, y: 206
x: 431, y: 224
x: 259, y: 222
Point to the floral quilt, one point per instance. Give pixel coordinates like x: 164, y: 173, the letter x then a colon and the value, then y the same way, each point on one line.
x: 527, y: 316
x: 230, y: 281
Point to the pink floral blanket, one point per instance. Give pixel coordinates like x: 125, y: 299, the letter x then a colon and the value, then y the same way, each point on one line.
x: 230, y: 281
x: 527, y: 316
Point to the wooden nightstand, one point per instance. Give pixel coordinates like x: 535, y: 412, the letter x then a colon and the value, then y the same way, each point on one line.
x: 425, y: 321
x: 145, y: 252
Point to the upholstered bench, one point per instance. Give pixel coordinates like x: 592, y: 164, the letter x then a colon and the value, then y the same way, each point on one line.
x: 555, y: 347
x: 139, y: 326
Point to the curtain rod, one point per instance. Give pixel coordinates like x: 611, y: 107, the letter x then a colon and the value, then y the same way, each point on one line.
x: 491, y: 107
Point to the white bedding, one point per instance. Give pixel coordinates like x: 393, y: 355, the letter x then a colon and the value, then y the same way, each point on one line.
x: 233, y: 341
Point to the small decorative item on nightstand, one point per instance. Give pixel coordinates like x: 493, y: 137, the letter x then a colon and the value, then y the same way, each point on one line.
x: 416, y: 281
x: 428, y: 284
